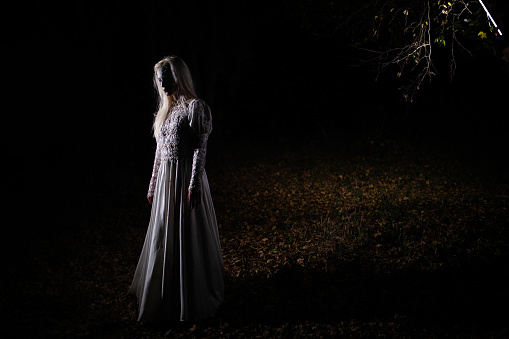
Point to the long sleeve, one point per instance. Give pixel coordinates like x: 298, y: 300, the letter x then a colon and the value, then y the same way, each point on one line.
x: 155, y: 170
x: 201, y: 126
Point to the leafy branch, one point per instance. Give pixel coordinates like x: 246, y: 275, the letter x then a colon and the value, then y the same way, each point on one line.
x: 405, y: 35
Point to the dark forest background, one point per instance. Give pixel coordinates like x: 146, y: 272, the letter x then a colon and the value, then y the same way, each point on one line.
x: 273, y: 72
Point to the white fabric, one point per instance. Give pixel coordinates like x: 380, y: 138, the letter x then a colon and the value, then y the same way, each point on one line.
x: 179, y: 275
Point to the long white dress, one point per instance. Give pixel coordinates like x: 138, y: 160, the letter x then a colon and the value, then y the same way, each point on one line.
x: 180, y: 271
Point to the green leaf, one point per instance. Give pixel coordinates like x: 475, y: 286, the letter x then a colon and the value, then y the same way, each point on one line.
x: 440, y: 40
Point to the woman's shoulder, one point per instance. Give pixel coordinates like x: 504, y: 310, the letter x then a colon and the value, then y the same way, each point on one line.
x: 199, y: 115
x: 197, y: 103
x: 198, y: 107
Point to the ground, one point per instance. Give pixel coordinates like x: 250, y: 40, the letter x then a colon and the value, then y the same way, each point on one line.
x: 318, y: 241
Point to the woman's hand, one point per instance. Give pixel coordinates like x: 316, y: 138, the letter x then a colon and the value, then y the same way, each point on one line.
x: 193, y: 198
x: 150, y: 199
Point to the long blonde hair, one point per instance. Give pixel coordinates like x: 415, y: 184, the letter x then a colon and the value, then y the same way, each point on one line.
x: 183, y: 93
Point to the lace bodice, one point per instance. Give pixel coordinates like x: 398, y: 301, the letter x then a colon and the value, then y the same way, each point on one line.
x: 184, y: 134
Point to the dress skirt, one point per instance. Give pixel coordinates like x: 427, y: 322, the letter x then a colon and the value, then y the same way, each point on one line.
x: 179, y: 275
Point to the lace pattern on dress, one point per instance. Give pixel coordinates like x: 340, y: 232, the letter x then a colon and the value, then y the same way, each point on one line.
x: 201, y: 125
x: 155, y: 170
x: 184, y: 134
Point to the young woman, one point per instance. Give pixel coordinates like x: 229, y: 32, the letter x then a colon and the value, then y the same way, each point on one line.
x: 180, y: 271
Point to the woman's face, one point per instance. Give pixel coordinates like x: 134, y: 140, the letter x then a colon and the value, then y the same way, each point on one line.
x: 166, y: 79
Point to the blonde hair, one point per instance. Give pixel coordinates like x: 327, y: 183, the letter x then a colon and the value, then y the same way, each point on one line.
x: 183, y: 93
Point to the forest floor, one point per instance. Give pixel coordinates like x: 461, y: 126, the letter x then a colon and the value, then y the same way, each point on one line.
x: 317, y: 242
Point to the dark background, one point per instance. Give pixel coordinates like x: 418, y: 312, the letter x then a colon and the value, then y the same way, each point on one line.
x: 86, y: 98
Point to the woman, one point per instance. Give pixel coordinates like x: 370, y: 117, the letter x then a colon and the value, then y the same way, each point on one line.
x: 180, y: 271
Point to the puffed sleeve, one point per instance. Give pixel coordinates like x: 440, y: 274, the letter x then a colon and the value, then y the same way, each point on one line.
x: 200, y: 121
x: 155, y: 170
